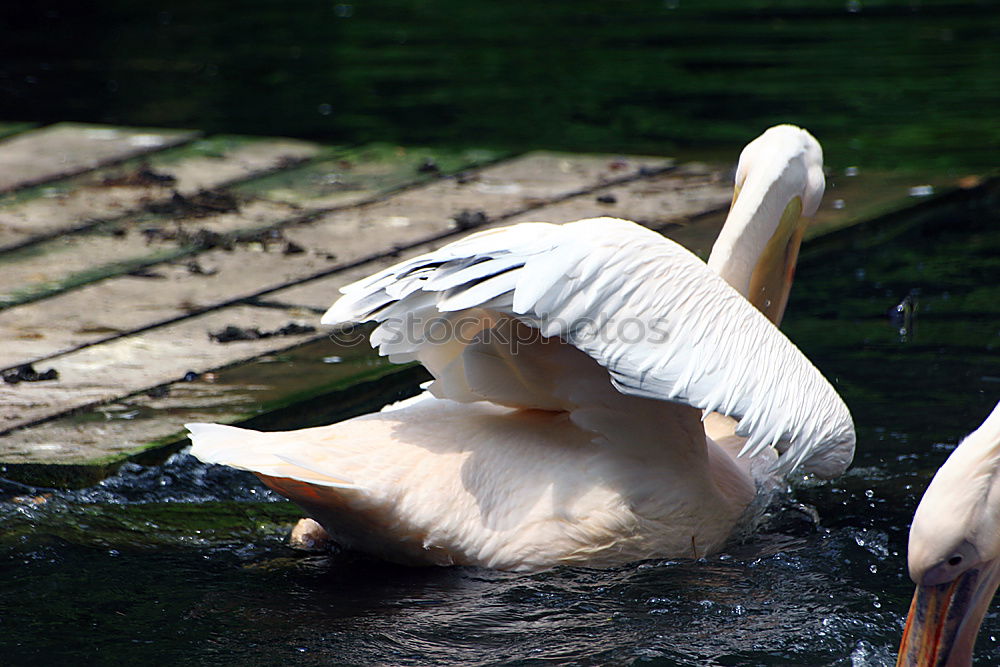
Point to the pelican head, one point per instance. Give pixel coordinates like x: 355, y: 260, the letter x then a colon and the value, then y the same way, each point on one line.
x: 954, y: 553
x: 779, y: 184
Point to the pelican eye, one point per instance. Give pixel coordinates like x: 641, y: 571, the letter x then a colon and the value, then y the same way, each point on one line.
x: 955, y: 560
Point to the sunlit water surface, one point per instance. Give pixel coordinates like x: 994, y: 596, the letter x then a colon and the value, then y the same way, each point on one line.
x: 186, y: 564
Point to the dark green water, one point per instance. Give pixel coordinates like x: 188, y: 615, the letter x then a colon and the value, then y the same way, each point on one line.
x: 184, y: 564
x: 887, y: 83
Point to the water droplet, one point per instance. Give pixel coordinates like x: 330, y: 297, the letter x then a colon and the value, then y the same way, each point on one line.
x: 325, y: 109
x: 839, y: 204
x: 921, y: 190
x: 851, y: 171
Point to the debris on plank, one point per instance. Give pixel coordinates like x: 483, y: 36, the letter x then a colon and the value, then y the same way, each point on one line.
x: 198, y: 205
x: 234, y: 333
x: 429, y: 166
x: 27, y: 373
x: 146, y: 273
x: 159, y: 392
x: 143, y: 176
x: 201, y: 238
x: 289, y: 161
x: 194, y: 267
x: 470, y: 219
x: 265, y: 238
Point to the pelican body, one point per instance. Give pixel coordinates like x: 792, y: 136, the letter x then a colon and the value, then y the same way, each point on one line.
x: 954, y: 553
x: 600, y: 394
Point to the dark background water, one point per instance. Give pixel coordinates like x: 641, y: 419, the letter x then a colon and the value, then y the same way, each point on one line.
x: 897, y: 83
x: 184, y: 564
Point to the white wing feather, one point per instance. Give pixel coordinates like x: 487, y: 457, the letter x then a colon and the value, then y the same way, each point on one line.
x: 655, y: 316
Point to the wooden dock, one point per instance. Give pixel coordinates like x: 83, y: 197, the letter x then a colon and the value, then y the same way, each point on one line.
x: 153, y: 277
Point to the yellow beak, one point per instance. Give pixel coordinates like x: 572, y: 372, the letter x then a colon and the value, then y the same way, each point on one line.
x: 944, y: 620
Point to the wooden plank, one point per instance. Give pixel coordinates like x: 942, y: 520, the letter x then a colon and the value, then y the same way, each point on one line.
x: 133, y: 363
x: 108, y: 308
x: 75, y: 260
x: 64, y: 149
x: 119, y: 247
x: 666, y: 201
x: 142, y: 185
x: 363, y: 174
x: 131, y: 425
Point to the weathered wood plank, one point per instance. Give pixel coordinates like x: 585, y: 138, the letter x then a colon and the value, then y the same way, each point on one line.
x: 110, y: 307
x: 362, y: 174
x: 665, y: 201
x: 293, y: 389
x: 77, y: 260
x: 130, y: 423
x: 132, y: 363
x: 64, y: 149
x: 142, y: 185
x: 120, y: 246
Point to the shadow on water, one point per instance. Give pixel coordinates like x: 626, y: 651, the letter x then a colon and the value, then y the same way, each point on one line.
x: 186, y: 563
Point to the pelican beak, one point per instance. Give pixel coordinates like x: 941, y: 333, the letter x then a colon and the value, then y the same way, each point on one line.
x: 771, y: 280
x: 944, y: 619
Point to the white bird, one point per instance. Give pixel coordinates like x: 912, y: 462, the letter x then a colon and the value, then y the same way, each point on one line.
x: 573, y: 366
x: 954, y: 553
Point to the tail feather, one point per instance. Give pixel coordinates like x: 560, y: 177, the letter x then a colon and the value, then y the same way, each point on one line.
x: 272, y: 454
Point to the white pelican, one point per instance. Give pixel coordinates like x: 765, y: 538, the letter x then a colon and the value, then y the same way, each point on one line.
x: 954, y: 553
x: 573, y: 365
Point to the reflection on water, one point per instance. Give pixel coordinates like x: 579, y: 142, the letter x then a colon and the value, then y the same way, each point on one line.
x: 160, y: 565
x: 890, y: 83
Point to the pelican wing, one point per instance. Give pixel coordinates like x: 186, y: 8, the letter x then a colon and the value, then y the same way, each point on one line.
x: 662, y: 324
